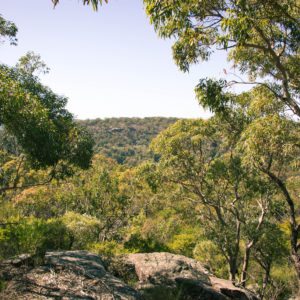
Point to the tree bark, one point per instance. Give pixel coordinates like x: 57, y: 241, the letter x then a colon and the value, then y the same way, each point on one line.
x: 293, y: 223
x: 233, y: 256
x: 296, y: 261
x: 266, y: 280
x: 246, y: 264
x: 249, y: 245
x: 232, y: 270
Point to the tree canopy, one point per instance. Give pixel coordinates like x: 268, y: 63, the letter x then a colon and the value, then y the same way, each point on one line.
x: 262, y: 38
x: 95, y: 3
x: 38, y: 119
x: 8, y: 30
x: 31, y: 112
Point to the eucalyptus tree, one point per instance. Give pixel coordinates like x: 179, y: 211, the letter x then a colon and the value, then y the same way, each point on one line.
x: 37, y: 117
x: 263, y: 37
x: 8, y: 30
x: 231, y: 201
x: 31, y: 112
x: 271, y: 145
x: 268, y: 143
x: 271, y: 249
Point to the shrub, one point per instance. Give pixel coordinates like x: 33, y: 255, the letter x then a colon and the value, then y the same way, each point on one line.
x: 208, y: 253
x: 32, y: 235
x: 108, y: 248
x: 83, y: 229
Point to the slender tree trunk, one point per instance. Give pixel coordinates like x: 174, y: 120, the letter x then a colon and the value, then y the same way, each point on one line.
x: 266, y: 280
x: 233, y: 258
x: 293, y: 224
x: 246, y: 263
x: 249, y: 246
x: 71, y: 242
x: 232, y: 270
x: 296, y: 261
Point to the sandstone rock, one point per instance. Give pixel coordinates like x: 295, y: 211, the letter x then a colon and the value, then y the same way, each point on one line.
x: 169, y: 276
x: 82, y: 275
x: 67, y: 275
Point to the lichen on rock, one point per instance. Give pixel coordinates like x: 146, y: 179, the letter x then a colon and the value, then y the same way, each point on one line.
x: 83, y: 275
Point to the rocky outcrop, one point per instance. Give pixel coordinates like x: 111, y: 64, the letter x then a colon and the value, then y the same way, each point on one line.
x: 64, y: 275
x: 169, y: 276
x: 82, y: 275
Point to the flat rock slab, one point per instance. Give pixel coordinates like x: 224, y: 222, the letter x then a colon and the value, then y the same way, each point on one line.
x: 67, y: 275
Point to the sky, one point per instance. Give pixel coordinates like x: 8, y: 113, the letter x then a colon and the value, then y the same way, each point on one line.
x: 109, y: 63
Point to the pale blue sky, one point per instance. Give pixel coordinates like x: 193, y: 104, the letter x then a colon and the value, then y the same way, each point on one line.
x: 108, y: 63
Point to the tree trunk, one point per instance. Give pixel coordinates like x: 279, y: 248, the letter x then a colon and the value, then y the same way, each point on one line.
x: 246, y: 264
x: 266, y: 280
x: 293, y: 223
x: 296, y: 261
x: 233, y: 257
x: 232, y: 272
x: 249, y: 246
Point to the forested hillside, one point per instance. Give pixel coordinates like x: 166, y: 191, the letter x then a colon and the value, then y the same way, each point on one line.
x: 223, y: 191
x: 126, y: 140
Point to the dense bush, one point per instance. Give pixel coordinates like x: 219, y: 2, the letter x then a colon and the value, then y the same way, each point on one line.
x: 32, y: 235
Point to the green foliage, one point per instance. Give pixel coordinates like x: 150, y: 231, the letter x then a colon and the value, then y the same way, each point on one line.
x: 125, y: 140
x: 208, y: 253
x: 94, y: 3
x: 262, y: 36
x: 38, y: 119
x: 138, y: 244
x: 231, y: 199
x: 211, y: 95
x: 185, y: 241
x: 272, y: 138
x: 31, y: 63
x: 98, y: 193
x: 108, y: 248
x: 82, y: 229
x: 8, y: 30
x: 214, y: 189
x: 32, y: 235
x: 284, y: 282
x: 42, y: 202
x: 112, y: 209
x: 152, y: 231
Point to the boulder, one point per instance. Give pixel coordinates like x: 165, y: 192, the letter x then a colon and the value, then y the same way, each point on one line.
x: 66, y: 275
x: 169, y: 276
